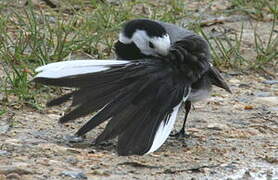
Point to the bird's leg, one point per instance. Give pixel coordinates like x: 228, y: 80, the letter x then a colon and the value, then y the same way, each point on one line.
x: 181, y: 133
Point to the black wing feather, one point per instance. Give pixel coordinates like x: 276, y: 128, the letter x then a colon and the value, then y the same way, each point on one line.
x: 138, y: 137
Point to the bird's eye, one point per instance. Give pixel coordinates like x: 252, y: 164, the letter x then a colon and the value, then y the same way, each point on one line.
x: 151, y: 45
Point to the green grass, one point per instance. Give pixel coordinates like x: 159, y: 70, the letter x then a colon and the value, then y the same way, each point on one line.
x: 226, y: 50
x: 2, y: 111
x: 257, y: 9
x: 35, y: 35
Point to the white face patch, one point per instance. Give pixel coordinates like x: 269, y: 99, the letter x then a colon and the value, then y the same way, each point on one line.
x: 142, y: 40
x: 161, y: 44
x: 124, y: 39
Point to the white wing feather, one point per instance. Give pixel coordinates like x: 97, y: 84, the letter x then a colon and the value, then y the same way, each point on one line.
x: 69, y: 68
x: 164, y: 130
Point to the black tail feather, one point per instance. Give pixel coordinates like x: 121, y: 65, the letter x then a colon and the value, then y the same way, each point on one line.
x: 60, y: 100
x: 217, y: 80
x: 112, y: 108
x: 121, y: 121
x: 138, y: 137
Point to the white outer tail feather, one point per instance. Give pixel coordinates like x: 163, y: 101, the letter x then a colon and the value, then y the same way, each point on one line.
x: 164, y: 130
x: 70, y: 68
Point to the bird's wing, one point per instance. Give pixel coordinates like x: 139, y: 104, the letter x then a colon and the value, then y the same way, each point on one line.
x: 71, y: 68
x: 177, y: 33
x: 139, y: 98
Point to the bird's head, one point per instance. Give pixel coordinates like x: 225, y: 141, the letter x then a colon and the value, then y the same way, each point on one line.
x: 148, y: 36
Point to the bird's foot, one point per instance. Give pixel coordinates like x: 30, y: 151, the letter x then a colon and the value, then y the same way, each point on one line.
x: 180, y: 134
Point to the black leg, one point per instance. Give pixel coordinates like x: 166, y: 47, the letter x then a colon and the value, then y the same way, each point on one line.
x: 181, y: 133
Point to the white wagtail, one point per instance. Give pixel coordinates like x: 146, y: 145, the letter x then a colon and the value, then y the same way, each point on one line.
x: 139, y: 98
x: 145, y: 38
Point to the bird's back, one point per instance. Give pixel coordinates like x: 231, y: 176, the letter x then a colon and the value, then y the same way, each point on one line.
x: 175, y: 32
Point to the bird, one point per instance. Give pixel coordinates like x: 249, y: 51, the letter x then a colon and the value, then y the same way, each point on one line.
x: 146, y: 38
x: 140, y: 98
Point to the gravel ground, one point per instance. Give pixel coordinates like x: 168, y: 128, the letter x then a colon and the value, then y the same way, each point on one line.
x: 231, y: 137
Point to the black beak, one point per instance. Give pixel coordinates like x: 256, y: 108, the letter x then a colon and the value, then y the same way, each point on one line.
x: 217, y: 80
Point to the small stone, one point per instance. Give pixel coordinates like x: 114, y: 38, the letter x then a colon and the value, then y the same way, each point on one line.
x: 74, y: 174
x: 52, y: 19
x: 235, y: 73
x: 269, y: 101
x: 273, y: 108
x: 243, y: 85
x: 101, y: 173
x: 72, y: 160
x: 247, y: 175
x: 13, y: 176
x: 94, y: 167
x: 4, y: 128
x: 272, y: 160
x: 263, y: 94
x: 234, y: 81
x: 4, y: 153
x: 73, y: 139
x: 270, y: 82
x: 14, y: 169
x: 217, y: 126
x: 243, y: 99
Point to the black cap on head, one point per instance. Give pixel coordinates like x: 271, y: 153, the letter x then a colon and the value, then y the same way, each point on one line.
x: 152, y: 28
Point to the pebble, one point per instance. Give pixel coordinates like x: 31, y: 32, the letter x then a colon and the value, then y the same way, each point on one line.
x: 269, y: 101
x: 52, y: 19
x: 4, y: 128
x: 73, y: 139
x: 217, y: 126
x: 235, y: 73
x: 244, y: 85
x: 263, y: 94
x: 243, y: 99
x: 74, y: 174
x: 14, y: 169
x: 234, y: 81
x: 13, y: 176
x: 72, y: 160
x: 4, y: 153
x: 270, y: 82
x: 273, y: 108
x: 94, y: 167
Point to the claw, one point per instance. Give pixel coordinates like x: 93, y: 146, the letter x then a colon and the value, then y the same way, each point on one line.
x: 180, y: 134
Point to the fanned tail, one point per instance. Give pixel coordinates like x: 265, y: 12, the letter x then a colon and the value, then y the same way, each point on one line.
x: 139, y: 98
